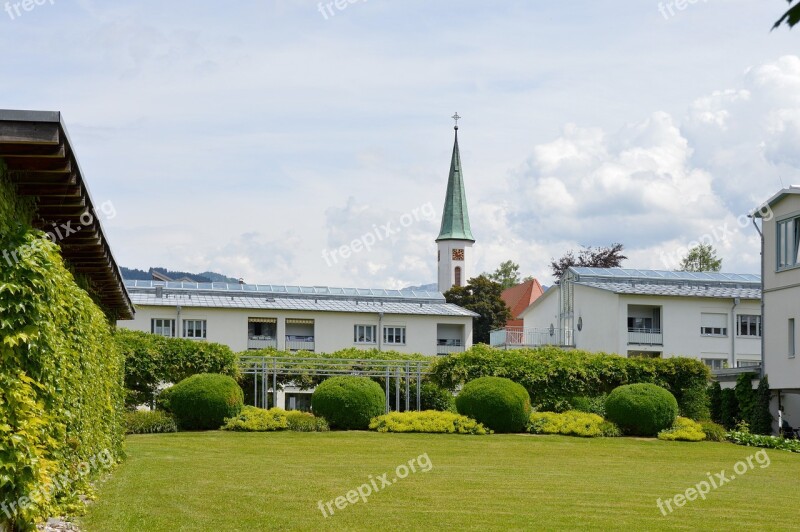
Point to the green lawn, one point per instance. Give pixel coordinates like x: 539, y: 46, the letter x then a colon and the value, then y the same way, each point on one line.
x: 236, y: 481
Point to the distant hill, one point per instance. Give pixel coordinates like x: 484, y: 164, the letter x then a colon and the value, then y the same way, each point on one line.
x: 133, y: 274
x: 433, y: 287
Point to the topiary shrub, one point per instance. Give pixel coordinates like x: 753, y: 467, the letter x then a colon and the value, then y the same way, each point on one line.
x: 348, y: 403
x: 500, y: 404
x: 684, y: 429
x: 149, y: 422
x: 641, y: 409
x: 203, y: 401
x: 428, y: 421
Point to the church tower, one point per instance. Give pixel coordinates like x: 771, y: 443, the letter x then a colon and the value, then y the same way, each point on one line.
x: 455, y: 236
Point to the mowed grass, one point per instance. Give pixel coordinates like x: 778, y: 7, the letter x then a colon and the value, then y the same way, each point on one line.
x: 241, y: 481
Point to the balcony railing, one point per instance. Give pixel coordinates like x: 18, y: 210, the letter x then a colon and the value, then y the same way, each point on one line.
x: 645, y: 337
x: 522, y: 337
x: 449, y: 348
x: 262, y: 342
x: 300, y: 343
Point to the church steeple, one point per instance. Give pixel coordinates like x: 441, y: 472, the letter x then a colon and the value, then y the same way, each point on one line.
x: 455, y: 218
x: 455, y: 236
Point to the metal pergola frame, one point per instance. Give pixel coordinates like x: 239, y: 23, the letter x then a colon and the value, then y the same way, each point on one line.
x: 264, y: 369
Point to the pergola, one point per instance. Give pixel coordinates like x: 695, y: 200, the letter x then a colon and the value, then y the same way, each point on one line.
x: 41, y: 162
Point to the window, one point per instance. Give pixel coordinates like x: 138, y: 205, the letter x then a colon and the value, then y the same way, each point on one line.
x: 162, y: 327
x: 748, y: 325
x: 394, y: 335
x: 791, y: 338
x: 714, y: 363
x: 365, y: 334
x: 713, y: 324
x: 458, y: 276
x: 788, y: 241
x: 194, y: 328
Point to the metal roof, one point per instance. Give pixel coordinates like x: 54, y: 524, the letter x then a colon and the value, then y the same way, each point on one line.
x: 646, y: 289
x: 764, y: 211
x: 290, y: 291
x: 582, y: 273
x: 455, y: 218
x: 259, y: 302
x: 41, y: 162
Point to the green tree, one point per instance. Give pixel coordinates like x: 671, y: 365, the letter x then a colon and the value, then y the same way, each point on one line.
x: 701, y: 258
x: 600, y: 257
x: 761, y: 422
x: 730, y: 409
x: 746, y: 397
x: 482, y: 296
x: 715, y: 402
x: 791, y: 17
x: 507, y: 274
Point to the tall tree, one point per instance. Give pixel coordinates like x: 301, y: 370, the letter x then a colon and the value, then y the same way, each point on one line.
x: 701, y: 258
x: 507, y: 274
x: 791, y: 17
x: 482, y: 296
x: 599, y: 257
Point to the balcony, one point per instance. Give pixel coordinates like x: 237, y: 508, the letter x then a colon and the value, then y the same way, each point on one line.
x: 515, y: 337
x: 299, y: 343
x: 645, y: 336
x: 448, y: 347
x: 262, y: 342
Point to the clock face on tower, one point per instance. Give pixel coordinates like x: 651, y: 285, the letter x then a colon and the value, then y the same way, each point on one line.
x: 458, y: 254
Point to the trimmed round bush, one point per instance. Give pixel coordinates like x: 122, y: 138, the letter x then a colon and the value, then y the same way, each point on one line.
x: 500, y: 404
x: 348, y: 403
x: 641, y: 409
x: 203, y: 401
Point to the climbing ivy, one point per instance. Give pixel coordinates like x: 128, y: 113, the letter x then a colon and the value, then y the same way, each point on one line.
x: 60, y: 375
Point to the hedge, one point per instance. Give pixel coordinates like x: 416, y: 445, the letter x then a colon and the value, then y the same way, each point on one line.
x: 429, y: 422
x: 151, y: 359
x: 572, y: 423
x: 552, y: 376
x: 253, y: 419
x: 61, y: 375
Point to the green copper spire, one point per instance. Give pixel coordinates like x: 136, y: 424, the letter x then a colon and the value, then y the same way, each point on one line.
x: 455, y: 218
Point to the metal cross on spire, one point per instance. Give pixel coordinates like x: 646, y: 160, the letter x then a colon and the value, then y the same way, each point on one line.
x: 456, y: 118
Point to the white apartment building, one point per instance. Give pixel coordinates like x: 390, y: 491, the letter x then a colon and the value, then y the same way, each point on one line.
x: 295, y: 318
x: 780, y: 255
x: 715, y: 317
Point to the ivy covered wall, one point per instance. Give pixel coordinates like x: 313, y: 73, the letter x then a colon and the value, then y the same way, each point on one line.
x: 60, y: 375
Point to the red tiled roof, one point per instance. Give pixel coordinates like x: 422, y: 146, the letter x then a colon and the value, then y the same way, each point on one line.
x: 520, y: 297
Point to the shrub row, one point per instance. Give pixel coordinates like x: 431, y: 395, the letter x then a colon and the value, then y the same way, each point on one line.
x: 252, y: 419
x: 684, y: 429
x: 572, y: 423
x: 553, y: 376
x: 760, y: 440
x: 149, y: 422
x: 151, y: 360
x: 428, y: 421
x: 61, y: 375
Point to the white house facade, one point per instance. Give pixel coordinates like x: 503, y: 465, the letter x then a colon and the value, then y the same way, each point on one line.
x: 715, y: 317
x: 780, y: 257
x: 295, y: 318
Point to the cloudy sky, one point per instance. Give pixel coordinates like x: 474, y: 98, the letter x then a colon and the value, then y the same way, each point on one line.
x: 252, y: 137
